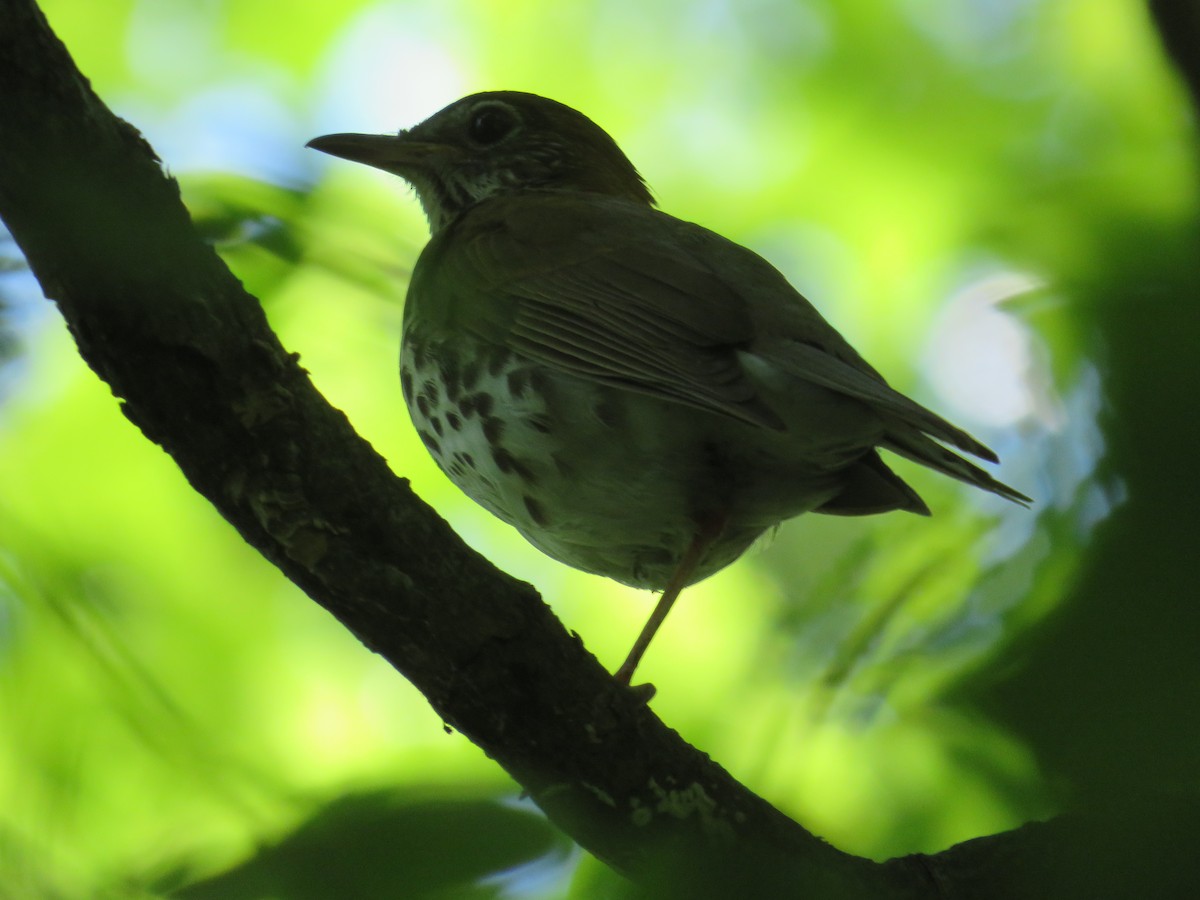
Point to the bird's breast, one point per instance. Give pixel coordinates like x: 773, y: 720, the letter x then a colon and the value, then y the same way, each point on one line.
x: 606, y: 480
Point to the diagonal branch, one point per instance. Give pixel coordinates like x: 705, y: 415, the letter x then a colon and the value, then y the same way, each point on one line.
x: 158, y: 316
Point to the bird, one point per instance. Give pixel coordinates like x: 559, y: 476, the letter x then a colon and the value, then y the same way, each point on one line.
x: 638, y: 396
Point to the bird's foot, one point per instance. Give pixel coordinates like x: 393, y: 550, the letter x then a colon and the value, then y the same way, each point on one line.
x: 643, y: 692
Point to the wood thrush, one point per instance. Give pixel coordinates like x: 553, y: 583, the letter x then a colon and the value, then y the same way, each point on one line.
x: 640, y: 397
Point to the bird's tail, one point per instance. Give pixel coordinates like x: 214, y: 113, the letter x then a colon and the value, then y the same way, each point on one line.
x: 907, y: 441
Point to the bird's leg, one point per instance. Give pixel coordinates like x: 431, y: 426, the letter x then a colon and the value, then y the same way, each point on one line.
x: 708, y: 531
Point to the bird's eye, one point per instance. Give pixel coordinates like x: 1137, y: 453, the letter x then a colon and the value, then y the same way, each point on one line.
x: 491, y: 124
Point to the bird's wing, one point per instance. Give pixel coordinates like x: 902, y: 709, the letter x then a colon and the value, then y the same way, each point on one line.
x: 606, y: 292
x: 623, y: 294
x: 818, y: 366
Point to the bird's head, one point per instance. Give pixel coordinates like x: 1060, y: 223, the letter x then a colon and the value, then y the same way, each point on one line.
x: 495, y: 143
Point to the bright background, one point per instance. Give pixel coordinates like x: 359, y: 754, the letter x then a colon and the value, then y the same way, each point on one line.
x: 948, y: 180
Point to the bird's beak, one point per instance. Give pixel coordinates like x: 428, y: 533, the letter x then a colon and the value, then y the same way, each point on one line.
x: 390, y: 152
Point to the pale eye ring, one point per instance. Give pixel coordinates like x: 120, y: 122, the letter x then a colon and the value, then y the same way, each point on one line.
x: 491, y: 124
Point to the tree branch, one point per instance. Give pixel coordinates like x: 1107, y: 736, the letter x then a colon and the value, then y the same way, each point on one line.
x: 159, y: 317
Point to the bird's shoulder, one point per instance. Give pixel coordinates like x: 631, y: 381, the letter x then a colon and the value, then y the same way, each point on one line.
x: 529, y: 232
x: 584, y: 250
x: 587, y: 271
x: 635, y: 255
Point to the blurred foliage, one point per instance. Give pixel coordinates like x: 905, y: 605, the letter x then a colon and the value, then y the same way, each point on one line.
x: 996, y: 202
x: 377, y: 845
